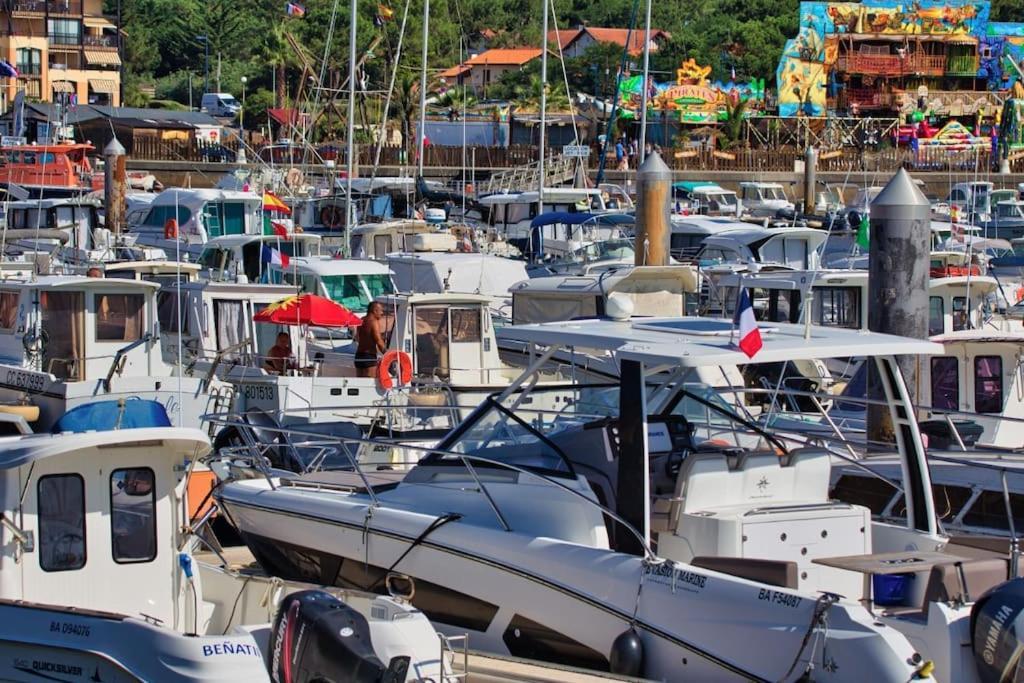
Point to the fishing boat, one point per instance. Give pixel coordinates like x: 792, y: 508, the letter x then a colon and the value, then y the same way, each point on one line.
x: 50, y: 171
x: 106, y: 509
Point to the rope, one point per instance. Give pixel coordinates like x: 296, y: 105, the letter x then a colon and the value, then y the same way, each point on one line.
x: 434, y: 526
x: 818, y: 618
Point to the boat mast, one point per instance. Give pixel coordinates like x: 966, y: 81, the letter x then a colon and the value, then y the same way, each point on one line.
x: 543, y: 108
x: 351, y: 123
x: 423, y: 89
x: 646, y: 87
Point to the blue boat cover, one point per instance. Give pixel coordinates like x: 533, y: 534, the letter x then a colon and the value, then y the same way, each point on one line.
x: 106, y: 415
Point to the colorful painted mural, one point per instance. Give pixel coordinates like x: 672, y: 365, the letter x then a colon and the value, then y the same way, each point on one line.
x: 846, y: 46
x: 693, y: 98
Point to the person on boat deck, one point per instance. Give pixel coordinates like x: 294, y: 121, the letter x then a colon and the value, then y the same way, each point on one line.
x: 279, y: 356
x: 369, y: 341
x: 94, y: 272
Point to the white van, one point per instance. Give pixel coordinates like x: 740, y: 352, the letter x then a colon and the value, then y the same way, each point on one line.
x: 220, y: 104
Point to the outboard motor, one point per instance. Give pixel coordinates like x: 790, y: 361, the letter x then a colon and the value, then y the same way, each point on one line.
x: 317, y: 637
x: 997, y: 632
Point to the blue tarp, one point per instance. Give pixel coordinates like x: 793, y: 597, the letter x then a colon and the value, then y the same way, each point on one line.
x: 106, y: 415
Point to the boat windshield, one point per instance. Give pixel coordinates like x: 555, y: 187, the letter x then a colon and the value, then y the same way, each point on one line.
x: 773, y: 193
x: 605, y: 249
x: 355, y: 292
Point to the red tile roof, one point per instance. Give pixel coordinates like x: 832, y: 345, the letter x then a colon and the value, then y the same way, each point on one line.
x: 505, y: 56
x: 616, y: 36
x: 456, y: 71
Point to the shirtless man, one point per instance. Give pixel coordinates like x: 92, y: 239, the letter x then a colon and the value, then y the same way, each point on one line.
x: 369, y: 341
x: 279, y: 356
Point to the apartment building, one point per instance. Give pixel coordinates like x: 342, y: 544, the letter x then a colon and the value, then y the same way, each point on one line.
x: 60, y: 47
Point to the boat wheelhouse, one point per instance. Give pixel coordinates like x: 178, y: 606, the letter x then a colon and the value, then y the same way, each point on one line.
x: 70, y: 340
x: 252, y: 258
x: 184, y: 220
x: 705, y: 199
x: 57, y: 170
x: 353, y: 283
x: 761, y: 199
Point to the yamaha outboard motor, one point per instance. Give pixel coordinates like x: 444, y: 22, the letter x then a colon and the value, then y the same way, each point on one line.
x: 997, y: 633
x: 318, y: 638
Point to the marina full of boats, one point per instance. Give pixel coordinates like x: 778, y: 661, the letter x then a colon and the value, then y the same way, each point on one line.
x: 388, y: 430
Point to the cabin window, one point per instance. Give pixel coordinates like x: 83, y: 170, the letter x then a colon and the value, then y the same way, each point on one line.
x: 61, y: 512
x: 167, y: 305
x: 543, y: 309
x: 133, y: 515
x: 346, y: 290
x: 466, y: 325
x: 8, y: 311
x: 64, y: 323
x: 46, y: 158
x: 988, y: 384
x: 29, y: 157
x: 837, y: 307
x: 945, y: 382
x: 158, y: 216
x: 379, y: 285
x: 961, y: 320
x: 119, y: 317
x: 230, y: 324
x: 936, y: 315
x: 234, y: 218
x: 381, y: 245
x: 431, y: 336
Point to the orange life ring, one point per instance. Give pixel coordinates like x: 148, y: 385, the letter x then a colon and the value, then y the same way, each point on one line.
x: 404, y: 368
x: 171, y: 229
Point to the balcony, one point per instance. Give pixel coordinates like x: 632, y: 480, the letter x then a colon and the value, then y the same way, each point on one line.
x: 65, y: 41
x: 866, y: 98
x: 892, y: 65
x: 100, y: 41
x: 51, y: 7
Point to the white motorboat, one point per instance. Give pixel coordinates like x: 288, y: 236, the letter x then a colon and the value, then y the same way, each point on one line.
x: 102, y: 580
x: 501, y: 523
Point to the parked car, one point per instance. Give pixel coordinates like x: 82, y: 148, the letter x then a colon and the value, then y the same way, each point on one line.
x: 216, y: 152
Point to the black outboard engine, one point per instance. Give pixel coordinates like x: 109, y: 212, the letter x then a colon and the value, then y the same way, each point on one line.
x: 317, y: 638
x: 997, y: 633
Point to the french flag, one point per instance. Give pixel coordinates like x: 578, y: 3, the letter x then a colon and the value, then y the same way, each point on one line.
x: 275, y: 257
x: 750, y: 337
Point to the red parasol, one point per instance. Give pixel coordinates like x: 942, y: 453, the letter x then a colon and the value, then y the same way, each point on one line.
x: 307, y: 309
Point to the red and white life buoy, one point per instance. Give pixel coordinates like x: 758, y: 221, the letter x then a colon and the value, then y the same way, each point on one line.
x: 404, y: 369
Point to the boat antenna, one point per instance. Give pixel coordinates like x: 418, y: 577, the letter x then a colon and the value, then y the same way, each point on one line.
x: 177, y: 256
x: 423, y: 90
x: 542, y: 146
x: 352, y: 25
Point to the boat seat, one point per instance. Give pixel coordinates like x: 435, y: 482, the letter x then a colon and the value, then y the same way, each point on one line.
x: 945, y: 583
x: 783, y: 574
x: 705, y: 467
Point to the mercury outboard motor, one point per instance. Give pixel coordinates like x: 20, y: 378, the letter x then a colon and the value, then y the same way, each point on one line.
x: 997, y: 633
x: 318, y: 638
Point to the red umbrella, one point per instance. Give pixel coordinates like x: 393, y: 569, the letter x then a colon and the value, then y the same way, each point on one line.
x: 307, y: 309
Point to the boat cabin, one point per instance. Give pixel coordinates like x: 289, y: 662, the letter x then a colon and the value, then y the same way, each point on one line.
x: 163, y: 272
x: 101, y: 509
x: 251, y: 258
x: 651, y: 291
x: 80, y: 328
x: 186, y: 219
x: 377, y: 240
x: 509, y: 215
x: 60, y: 170
x: 353, y: 283
x: 558, y: 235
x: 706, y: 199
x: 764, y: 199
x: 795, y: 248
x: 436, y: 272
x: 689, y: 232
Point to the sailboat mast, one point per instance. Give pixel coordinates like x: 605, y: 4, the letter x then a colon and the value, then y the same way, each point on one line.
x: 351, y: 123
x: 423, y: 88
x: 646, y: 84
x: 543, y: 109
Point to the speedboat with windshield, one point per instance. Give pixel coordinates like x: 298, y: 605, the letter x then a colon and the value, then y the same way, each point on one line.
x: 651, y: 516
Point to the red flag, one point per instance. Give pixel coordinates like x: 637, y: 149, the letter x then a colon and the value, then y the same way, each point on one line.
x: 280, y: 229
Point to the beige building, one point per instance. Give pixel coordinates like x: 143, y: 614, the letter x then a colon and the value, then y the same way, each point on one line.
x: 486, y: 68
x: 60, y: 46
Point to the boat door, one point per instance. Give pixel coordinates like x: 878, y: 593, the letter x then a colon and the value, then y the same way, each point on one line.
x: 63, y: 322
x: 431, y: 352
x: 231, y: 327
x: 466, y: 335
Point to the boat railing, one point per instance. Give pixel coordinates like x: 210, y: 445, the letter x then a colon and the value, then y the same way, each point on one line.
x: 347, y: 444
x: 117, y: 364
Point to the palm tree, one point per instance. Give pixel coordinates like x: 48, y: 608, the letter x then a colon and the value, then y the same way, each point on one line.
x: 731, y: 131
x: 404, y: 105
x: 527, y: 96
x: 457, y: 98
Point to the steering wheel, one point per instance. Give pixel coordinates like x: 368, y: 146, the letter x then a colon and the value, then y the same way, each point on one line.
x: 674, y: 461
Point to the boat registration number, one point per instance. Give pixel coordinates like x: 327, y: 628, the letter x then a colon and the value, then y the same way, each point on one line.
x: 69, y: 628
x: 259, y: 392
x: 25, y: 380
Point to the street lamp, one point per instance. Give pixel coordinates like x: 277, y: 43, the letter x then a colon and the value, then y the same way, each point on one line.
x: 241, y: 112
x: 206, y: 62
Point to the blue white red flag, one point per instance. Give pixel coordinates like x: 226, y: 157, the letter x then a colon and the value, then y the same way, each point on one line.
x: 295, y: 10
x: 750, y: 336
x: 274, y: 257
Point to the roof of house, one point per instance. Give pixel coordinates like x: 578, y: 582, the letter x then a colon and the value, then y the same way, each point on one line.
x: 45, y: 111
x: 618, y: 36
x: 516, y: 56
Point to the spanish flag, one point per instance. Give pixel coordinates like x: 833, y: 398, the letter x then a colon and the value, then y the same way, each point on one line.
x: 271, y: 202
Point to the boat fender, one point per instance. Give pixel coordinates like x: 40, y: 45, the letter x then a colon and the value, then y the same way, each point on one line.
x: 384, y: 376
x: 332, y: 216
x: 627, y: 655
x: 171, y: 229
x: 995, y: 638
